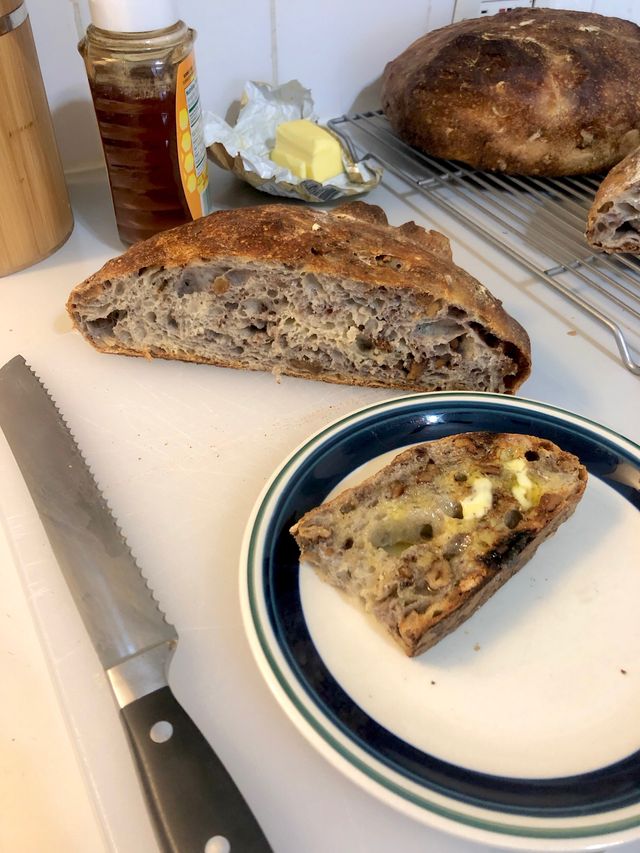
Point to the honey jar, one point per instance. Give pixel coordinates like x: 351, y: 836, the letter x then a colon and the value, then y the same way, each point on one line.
x: 140, y: 63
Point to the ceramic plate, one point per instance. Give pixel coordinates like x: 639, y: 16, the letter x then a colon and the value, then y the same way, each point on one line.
x: 522, y: 728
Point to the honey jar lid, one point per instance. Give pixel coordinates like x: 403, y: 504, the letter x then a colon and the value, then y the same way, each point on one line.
x: 133, y: 16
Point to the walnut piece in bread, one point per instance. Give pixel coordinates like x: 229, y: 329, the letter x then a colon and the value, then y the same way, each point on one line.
x: 335, y: 295
x: 529, y: 91
x: 429, y: 538
x: 613, y: 222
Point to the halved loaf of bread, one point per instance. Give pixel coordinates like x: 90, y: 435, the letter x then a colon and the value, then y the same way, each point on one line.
x: 335, y: 295
x: 613, y: 223
x: 429, y: 538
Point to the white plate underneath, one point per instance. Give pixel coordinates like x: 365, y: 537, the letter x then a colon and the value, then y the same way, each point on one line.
x: 522, y: 727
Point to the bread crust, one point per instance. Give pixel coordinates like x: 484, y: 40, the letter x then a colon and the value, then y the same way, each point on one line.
x: 485, y: 567
x: 607, y: 213
x: 351, y: 242
x: 529, y: 91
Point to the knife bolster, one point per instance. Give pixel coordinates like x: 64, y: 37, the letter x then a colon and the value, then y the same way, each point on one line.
x: 141, y: 674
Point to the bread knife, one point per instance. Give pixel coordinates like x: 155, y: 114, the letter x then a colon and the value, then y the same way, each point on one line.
x: 190, y: 795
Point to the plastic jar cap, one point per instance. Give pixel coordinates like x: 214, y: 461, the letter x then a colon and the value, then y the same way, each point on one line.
x: 133, y: 16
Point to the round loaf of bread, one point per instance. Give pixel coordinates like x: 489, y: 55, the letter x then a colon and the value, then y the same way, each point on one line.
x: 530, y: 92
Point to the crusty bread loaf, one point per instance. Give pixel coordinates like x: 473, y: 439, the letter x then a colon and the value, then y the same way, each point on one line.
x: 335, y: 295
x: 429, y: 538
x: 529, y: 91
x: 613, y: 223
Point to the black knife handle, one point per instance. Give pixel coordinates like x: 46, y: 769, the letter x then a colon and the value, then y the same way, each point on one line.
x: 191, y: 796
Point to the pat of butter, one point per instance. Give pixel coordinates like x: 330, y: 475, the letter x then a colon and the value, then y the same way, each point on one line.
x: 307, y: 150
x: 479, y: 501
x: 524, y: 490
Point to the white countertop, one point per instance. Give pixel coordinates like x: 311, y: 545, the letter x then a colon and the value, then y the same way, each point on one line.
x: 181, y: 452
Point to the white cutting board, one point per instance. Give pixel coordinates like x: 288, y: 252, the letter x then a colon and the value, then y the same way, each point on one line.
x: 180, y: 453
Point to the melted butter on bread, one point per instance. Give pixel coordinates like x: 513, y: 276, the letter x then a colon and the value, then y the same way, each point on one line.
x: 479, y: 502
x: 432, y: 535
x: 524, y: 490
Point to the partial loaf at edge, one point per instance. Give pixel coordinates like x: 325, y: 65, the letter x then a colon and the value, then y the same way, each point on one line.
x: 429, y: 538
x: 529, y: 91
x: 334, y: 295
x: 613, y: 222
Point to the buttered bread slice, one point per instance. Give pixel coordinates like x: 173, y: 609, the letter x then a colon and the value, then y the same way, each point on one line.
x: 429, y: 538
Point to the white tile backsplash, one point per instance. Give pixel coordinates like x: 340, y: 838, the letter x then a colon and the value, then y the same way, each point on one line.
x: 55, y: 32
x: 337, y: 48
x: 233, y: 45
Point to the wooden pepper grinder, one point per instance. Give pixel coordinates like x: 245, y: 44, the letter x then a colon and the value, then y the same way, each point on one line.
x: 35, y: 214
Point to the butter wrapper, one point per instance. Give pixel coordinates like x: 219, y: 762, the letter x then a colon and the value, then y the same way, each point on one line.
x: 245, y: 148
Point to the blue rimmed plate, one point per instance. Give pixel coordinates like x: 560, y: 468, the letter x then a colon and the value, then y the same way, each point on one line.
x: 522, y: 728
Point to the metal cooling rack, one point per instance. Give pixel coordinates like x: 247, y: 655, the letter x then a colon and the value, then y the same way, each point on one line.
x: 537, y: 221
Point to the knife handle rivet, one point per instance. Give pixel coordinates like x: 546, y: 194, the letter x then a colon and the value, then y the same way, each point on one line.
x: 217, y: 844
x: 161, y: 731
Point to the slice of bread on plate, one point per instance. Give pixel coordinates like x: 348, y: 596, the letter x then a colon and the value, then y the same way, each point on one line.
x: 338, y: 295
x: 429, y: 538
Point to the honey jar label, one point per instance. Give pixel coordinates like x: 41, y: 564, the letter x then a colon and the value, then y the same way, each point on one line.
x: 192, y: 153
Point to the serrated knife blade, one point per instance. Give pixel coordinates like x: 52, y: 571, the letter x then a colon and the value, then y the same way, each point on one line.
x: 190, y: 795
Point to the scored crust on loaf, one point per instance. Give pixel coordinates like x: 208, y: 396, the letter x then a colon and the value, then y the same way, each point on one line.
x: 429, y: 538
x: 336, y: 295
x: 613, y: 223
x: 529, y: 91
